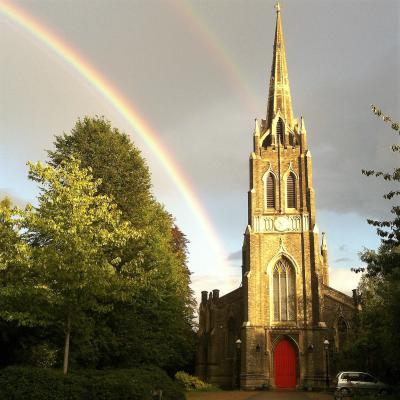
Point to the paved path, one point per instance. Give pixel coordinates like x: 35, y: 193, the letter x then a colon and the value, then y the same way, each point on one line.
x: 267, y: 395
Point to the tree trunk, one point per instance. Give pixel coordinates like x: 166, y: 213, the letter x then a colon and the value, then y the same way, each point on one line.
x: 66, y: 347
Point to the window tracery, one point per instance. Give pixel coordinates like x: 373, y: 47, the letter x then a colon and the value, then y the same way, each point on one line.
x: 284, y: 291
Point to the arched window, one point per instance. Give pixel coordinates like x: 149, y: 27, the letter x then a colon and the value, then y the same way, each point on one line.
x: 291, y: 191
x: 342, y: 332
x: 280, y: 129
x: 284, y: 291
x: 270, y: 191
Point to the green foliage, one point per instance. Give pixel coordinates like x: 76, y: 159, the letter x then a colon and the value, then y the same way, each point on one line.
x: 378, y: 112
x: 156, y: 325
x: 386, y: 260
x: 24, y: 383
x: 375, y: 343
x: 193, y: 384
x: 113, y: 159
x: 36, y: 383
x: 43, y: 355
x: 68, y: 268
x: 98, y: 263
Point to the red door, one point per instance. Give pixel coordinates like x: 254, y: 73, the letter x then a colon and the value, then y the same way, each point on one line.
x: 285, y: 365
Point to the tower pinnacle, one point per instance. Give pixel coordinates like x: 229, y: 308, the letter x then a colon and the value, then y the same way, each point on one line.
x: 279, y: 98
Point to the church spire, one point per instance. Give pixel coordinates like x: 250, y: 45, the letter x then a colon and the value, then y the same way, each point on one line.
x: 279, y: 90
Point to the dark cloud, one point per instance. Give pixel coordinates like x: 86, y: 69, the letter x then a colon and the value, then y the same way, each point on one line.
x: 343, y: 259
x: 236, y: 255
x: 181, y: 81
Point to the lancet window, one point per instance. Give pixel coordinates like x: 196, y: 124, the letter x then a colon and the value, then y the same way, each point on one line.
x: 280, y: 130
x: 284, y: 291
x: 270, y: 191
x: 291, y: 191
x: 341, y: 332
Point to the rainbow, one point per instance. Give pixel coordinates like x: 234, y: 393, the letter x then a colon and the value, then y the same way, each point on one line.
x: 214, y: 46
x: 127, y: 110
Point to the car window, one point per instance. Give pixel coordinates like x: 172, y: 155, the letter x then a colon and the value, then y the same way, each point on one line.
x: 354, y: 377
x: 344, y: 376
x: 367, y: 378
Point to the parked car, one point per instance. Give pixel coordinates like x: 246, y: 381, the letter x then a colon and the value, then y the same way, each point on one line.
x: 349, y: 382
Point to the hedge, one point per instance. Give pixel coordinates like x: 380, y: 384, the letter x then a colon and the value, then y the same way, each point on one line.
x: 27, y: 383
x: 192, y: 383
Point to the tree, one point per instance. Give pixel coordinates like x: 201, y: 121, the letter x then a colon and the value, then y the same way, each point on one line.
x: 72, y: 236
x: 387, y: 260
x: 21, y: 322
x: 112, y: 158
x: 375, y: 345
x: 156, y: 325
x: 17, y: 287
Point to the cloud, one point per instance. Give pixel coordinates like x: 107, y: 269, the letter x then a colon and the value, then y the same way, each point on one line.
x: 236, y: 255
x: 343, y: 247
x: 343, y: 280
x: 343, y: 259
x: 16, y: 200
x: 225, y: 283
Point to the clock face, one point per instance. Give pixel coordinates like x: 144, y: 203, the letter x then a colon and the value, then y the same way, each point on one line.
x: 281, y: 224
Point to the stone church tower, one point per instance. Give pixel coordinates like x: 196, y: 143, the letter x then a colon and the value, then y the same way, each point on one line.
x: 271, y: 330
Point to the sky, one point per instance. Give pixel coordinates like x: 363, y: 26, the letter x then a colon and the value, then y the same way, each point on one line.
x: 197, y: 72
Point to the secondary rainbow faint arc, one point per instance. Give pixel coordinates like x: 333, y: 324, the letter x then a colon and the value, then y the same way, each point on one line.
x: 218, y: 50
x: 140, y: 126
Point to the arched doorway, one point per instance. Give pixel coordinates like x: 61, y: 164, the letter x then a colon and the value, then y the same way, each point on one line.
x: 285, y: 364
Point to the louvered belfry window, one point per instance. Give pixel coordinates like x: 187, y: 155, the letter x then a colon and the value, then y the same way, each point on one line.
x: 270, y: 191
x: 284, y: 291
x: 291, y: 191
x: 279, y: 130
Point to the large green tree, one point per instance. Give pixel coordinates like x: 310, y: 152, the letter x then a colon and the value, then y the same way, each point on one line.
x: 155, y: 326
x: 70, y: 244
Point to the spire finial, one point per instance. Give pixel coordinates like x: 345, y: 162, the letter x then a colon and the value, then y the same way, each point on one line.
x: 277, y: 6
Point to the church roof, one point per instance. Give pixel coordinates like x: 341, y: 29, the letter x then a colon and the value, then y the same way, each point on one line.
x: 279, y: 97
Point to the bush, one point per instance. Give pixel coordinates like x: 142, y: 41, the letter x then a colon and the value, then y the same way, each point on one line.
x: 36, y: 383
x: 43, y: 355
x: 26, y: 383
x: 192, y: 383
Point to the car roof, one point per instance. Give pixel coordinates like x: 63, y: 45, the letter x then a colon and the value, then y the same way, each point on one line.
x: 353, y: 372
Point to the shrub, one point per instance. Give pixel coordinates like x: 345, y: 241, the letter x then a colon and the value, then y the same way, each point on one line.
x: 43, y: 355
x: 27, y: 383
x: 192, y: 383
x: 36, y: 383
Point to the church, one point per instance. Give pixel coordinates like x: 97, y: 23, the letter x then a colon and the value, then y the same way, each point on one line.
x: 284, y: 323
